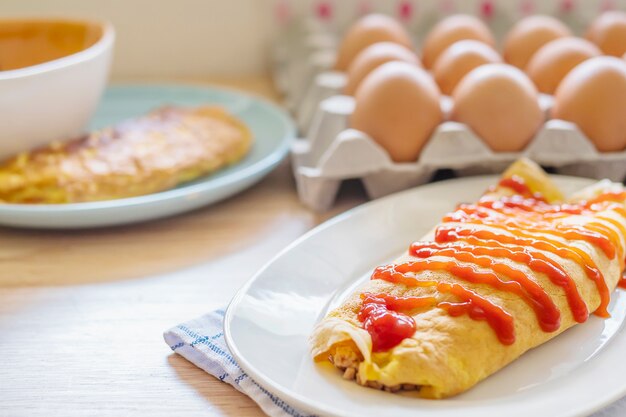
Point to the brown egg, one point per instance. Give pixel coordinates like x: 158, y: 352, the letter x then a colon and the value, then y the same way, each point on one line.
x: 593, y: 95
x: 397, y: 104
x: 500, y: 104
x: 366, y: 31
x: 530, y: 34
x: 608, y: 31
x: 459, y: 59
x: 450, y: 30
x: 374, y: 56
x: 551, y: 63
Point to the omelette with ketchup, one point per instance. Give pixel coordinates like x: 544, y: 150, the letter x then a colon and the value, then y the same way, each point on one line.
x: 494, y: 279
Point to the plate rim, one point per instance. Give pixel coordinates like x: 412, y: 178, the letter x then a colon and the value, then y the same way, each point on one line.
x: 264, y: 165
x: 302, y: 402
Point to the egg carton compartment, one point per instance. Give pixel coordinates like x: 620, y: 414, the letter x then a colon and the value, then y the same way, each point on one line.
x: 333, y: 152
x: 296, y: 78
x: 308, y: 48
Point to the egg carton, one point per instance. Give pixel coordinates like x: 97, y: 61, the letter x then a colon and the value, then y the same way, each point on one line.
x: 333, y: 152
x: 301, y: 53
x: 309, y: 47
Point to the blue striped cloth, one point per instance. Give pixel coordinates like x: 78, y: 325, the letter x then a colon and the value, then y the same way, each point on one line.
x: 201, y: 341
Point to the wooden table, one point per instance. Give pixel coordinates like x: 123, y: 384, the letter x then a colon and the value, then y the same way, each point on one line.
x: 82, y: 313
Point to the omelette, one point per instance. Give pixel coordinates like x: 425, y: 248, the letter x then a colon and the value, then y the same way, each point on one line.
x: 147, y: 154
x: 494, y: 279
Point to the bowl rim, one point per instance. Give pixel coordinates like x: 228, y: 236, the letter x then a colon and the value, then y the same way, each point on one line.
x: 101, y: 45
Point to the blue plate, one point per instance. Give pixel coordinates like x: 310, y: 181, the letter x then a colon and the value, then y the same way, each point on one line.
x: 273, y: 131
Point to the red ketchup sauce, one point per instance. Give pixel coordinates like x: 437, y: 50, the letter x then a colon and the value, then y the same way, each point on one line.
x: 450, y: 233
x: 496, y: 317
x: 547, y: 313
x: 618, y: 197
x: 476, y: 214
x: 519, y: 187
x: 479, y: 308
x: 479, y: 256
x: 384, y: 318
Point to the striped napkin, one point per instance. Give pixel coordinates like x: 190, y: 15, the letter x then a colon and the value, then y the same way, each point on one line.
x: 201, y: 341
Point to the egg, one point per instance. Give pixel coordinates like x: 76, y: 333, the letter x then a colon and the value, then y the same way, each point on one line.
x: 450, y: 30
x: 530, y: 34
x: 593, y: 95
x: 374, y: 56
x: 366, y: 31
x: 551, y: 63
x: 500, y: 104
x: 397, y: 105
x: 608, y: 31
x: 459, y: 59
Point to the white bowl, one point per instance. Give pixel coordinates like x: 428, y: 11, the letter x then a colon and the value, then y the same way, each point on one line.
x: 56, y: 71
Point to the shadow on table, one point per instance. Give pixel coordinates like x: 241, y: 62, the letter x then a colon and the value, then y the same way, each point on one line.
x: 30, y: 257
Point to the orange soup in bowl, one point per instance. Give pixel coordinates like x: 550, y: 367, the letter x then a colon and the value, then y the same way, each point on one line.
x: 52, y: 74
x: 24, y: 43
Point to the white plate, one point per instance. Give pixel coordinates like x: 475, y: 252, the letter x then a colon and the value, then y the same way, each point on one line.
x: 272, y: 129
x: 270, y: 319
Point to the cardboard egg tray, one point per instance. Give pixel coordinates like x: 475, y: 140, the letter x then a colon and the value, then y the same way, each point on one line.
x: 330, y: 152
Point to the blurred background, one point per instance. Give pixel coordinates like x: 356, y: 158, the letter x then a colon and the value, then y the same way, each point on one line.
x: 195, y: 38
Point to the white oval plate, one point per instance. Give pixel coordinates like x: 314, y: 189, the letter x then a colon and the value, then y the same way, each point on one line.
x: 272, y: 128
x: 269, y: 320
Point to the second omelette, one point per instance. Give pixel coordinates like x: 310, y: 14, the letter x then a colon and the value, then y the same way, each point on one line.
x: 140, y: 156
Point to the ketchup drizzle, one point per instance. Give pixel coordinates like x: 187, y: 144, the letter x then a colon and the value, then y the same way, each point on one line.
x: 479, y: 256
x: 383, y: 316
x: 548, y: 316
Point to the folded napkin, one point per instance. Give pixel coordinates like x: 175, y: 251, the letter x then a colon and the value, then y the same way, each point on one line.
x: 201, y: 341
